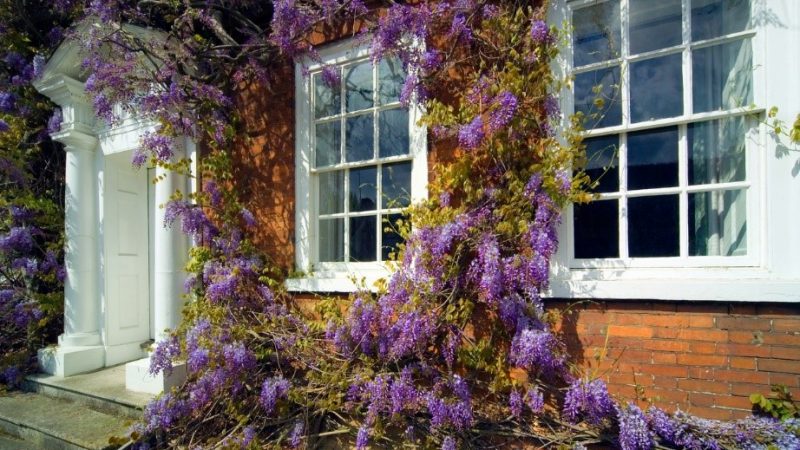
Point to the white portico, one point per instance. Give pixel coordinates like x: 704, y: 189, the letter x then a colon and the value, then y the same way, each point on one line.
x: 124, y: 267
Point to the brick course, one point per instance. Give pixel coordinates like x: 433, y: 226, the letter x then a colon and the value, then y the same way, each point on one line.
x: 706, y: 358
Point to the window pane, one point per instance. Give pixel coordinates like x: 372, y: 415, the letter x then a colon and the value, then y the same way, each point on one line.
x: 653, y: 158
x: 363, y: 189
x: 359, y: 141
x: 327, y: 99
x: 331, y: 192
x: 362, y: 238
x: 393, y: 133
x: 331, y: 240
x: 722, y: 76
x: 390, y: 78
x: 653, y: 226
x: 597, y: 97
x: 396, y: 184
x: 654, y: 25
x: 597, y: 229
x: 390, y: 237
x: 713, y: 18
x: 718, y: 223
x: 717, y: 151
x: 328, y: 146
x: 358, y: 82
x: 597, y: 33
x: 601, y: 162
x: 656, y: 88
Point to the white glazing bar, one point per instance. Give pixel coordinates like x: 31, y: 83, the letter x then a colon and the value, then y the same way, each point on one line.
x: 624, y: 66
x: 346, y: 251
x: 623, y: 201
x: 688, y: 108
x: 379, y: 206
x: 683, y: 181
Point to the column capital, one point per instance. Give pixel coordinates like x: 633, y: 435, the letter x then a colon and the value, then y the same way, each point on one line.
x: 78, y: 117
x: 75, y: 140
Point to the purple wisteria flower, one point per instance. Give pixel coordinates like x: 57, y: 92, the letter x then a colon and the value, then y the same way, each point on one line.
x: 535, y: 400
x: 164, y: 353
x: 588, y: 400
x: 362, y: 438
x: 504, y: 107
x: 18, y: 239
x: 540, y: 32
x: 471, y: 135
x: 515, y: 403
x: 4, y: 126
x: 54, y: 123
x: 7, y: 102
x: 536, y: 349
x: 449, y: 443
x: 273, y: 390
x: 296, y: 436
x: 633, y: 431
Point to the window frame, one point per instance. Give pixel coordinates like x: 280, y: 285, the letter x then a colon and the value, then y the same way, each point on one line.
x: 339, y: 276
x: 762, y: 274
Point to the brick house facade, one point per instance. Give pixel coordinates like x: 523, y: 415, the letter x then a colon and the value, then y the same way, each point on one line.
x: 694, y: 336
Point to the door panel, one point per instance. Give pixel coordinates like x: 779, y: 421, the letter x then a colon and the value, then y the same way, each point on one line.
x: 127, y: 251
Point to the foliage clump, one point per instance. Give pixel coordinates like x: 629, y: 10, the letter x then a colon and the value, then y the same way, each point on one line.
x: 31, y: 192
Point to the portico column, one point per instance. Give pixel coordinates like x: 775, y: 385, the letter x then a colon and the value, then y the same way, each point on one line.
x: 170, y: 253
x: 81, y: 299
x: 80, y: 347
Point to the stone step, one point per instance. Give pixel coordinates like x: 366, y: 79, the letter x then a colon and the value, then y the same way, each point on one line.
x: 8, y: 442
x: 59, y: 424
x: 103, y: 390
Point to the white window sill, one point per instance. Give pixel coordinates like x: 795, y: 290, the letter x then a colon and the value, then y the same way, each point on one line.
x: 709, y: 284
x: 338, y: 282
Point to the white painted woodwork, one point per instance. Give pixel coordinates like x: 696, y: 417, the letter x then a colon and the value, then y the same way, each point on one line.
x: 170, y: 247
x: 127, y: 278
x: 124, y: 268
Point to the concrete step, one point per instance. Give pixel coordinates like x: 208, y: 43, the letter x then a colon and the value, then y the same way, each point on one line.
x: 59, y: 424
x: 103, y: 390
x: 8, y: 442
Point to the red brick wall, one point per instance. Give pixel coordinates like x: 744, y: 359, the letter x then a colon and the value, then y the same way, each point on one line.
x: 706, y: 358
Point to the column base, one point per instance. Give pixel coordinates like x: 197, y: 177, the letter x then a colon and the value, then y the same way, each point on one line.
x: 138, y: 378
x: 64, y: 361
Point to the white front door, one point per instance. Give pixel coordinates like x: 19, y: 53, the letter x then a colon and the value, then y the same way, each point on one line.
x: 127, y: 249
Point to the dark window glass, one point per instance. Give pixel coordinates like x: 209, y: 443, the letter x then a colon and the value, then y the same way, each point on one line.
x: 362, y: 238
x: 390, y: 238
x: 601, y: 162
x: 358, y: 140
x: 656, y: 88
x: 597, y: 229
x: 358, y: 82
x: 654, y: 25
x: 597, y: 33
x: 653, y: 158
x: 597, y: 97
x: 713, y: 18
x: 393, y: 133
x: 363, y: 189
x: 653, y: 226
